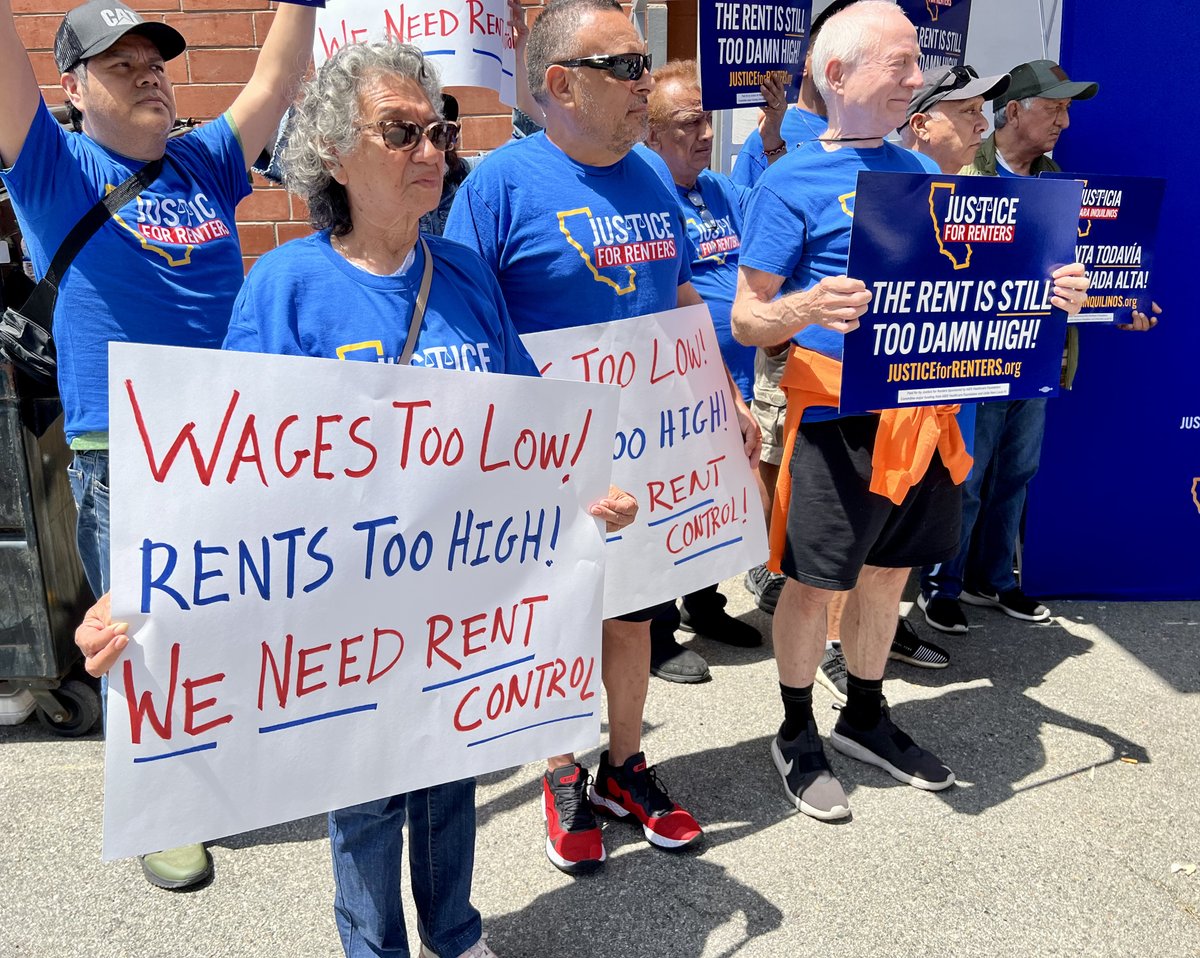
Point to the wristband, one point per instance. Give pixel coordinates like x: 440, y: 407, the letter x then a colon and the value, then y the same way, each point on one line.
x: 775, y: 152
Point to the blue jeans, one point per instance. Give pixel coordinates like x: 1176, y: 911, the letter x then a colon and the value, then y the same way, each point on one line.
x: 367, y: 842
x: 88, y: 474
x: 1008, y: 447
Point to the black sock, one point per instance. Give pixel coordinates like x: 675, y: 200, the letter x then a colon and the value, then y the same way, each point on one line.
x: 864, y: 701
x: 797, y: 710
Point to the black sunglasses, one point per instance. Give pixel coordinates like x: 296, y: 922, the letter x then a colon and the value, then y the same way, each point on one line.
x: 405, y: 135
x: 697, y: 201
x: 955, y: 78
x: 624, y: 66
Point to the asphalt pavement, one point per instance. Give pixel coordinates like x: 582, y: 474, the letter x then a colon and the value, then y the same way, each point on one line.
x: 1074, y: 828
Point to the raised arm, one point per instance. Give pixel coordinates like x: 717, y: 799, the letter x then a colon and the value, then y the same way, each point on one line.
x: 281, y: 65
x: 520, y: 33
x: 19, y: 92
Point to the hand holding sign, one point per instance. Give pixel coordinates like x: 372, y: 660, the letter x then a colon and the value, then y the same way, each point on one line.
x: 99, y: 638
x: 1141, y: 322
x: 836, y: 303
x: 618, y: 510
x: 1070, y: 288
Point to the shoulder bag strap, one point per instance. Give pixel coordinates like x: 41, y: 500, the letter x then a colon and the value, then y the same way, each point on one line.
x: 46, y: 293
x: 414, y: 328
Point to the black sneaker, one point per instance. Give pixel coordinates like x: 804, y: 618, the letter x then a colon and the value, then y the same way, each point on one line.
x: 832, y: 672
x: 944, y: 614
x: 808, y: 781
x: 573, y: 839
x: 889, y: 748
x: 909, y: 647
x: 1012, y: 602
x: 720, y: 626
x: 671, y: 661
x: 765, y: 586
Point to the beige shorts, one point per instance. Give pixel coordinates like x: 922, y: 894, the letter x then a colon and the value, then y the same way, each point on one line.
x: 770, y: 404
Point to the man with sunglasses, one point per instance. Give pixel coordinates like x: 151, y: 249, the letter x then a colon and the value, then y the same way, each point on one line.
x: 167, y: 267
x: 579, y: 230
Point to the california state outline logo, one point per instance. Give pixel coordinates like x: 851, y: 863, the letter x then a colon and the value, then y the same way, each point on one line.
x: 613, y: 246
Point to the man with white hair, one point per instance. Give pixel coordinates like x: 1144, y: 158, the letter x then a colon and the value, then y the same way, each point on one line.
x: 854, y: 525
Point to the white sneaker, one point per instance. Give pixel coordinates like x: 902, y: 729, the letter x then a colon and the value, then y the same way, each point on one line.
x: 478, y: 950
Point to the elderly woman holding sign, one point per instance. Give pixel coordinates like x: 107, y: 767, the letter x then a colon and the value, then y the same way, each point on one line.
x: 367, y: 154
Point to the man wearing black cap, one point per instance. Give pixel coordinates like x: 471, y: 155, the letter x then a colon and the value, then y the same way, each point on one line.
x: 166, y: 267
x: 945, y: 119
x: 1030, y: 116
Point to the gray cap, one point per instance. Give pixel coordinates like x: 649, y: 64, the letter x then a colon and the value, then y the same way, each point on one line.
x: 955, y: 83
x: 94, y: 27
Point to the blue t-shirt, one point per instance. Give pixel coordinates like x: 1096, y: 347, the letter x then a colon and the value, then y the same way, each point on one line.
x: 164, y: 270
x: 304, y: 299
x: 714, y: 236
x: 798, y: 223
x: 572, y: 244
x: 798, y: 126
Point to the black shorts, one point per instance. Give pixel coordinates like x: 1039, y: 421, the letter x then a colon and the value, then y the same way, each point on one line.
x: 647, y: 615
x: 836, y: 525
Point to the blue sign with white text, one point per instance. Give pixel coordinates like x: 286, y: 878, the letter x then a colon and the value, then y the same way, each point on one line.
x: 941, y: 30
x: 743, y: 42
x: 959, y: 273
x: 1118, y: 227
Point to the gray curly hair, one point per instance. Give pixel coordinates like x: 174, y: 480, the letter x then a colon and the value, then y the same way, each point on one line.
x: 324, y: 120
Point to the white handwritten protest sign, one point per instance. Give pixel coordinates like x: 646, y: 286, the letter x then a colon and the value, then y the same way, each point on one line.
x: 469, y: 40
x: 346, y: 581
x: 678, y: 449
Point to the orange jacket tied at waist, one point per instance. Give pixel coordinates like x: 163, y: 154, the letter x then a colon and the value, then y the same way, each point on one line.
x: 904, y: 443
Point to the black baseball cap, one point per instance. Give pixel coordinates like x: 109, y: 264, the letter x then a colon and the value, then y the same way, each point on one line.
x: 95, y: 26
x: 955, y: 83
x: 1044, y: 78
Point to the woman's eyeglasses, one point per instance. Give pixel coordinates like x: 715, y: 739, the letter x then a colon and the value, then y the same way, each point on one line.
x: 624, y: 66
x: 405, y: 135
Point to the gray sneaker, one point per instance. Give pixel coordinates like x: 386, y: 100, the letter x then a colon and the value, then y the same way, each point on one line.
x: 890, y: 749
x: 832, y: 672
x: 808, y: 780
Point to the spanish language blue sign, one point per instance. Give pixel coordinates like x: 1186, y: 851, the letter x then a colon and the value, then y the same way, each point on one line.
x: 941, y: 30
x: 959, y: 273
x: 1118, y: 227
x: 743, y: 42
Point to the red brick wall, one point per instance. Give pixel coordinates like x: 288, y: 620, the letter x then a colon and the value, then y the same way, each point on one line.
x: 223, y: 37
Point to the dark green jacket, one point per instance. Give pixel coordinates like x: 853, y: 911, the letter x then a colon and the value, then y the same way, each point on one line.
x: 984, y: 164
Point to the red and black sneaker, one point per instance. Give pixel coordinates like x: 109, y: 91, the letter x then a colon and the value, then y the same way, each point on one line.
x: 633, y: 789
x: 573, y: 840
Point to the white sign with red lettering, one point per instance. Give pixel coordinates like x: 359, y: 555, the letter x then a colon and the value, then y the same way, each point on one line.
x: 469, y: 41
x: 344, y: 581
x: 678, y: 449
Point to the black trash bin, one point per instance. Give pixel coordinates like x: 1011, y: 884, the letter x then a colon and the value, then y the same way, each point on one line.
x: 43, y: 591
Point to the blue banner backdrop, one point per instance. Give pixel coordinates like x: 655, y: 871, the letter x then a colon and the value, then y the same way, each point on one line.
x: 1115, y: 510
